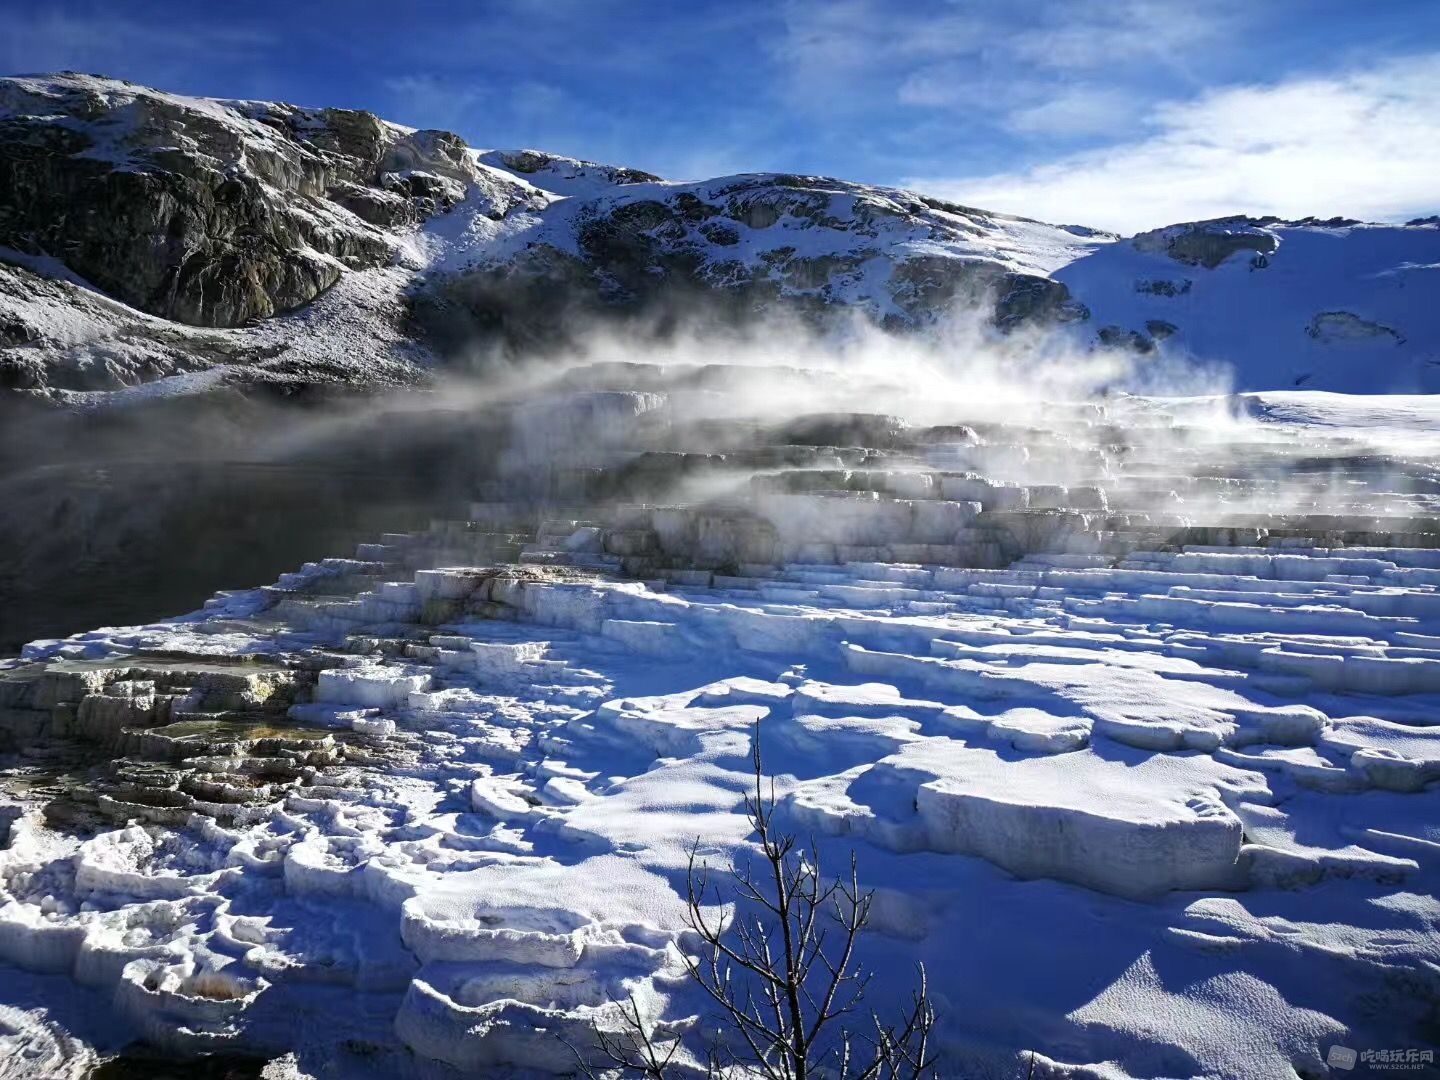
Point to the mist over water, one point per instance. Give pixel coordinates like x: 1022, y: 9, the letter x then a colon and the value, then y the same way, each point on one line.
x: 131, y: 514
x: 1034, y: 559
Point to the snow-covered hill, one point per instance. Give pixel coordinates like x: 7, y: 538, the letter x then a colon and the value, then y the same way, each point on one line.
x: 221, y: 218
x: 1323, y: 305
x: 825, y: 248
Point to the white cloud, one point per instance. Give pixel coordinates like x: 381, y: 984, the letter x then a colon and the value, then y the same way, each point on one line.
x: 952, y: 53
x: 1095, y: 34
x: 968, y: 85
x: 1362, y: 144
x: 427, y: 101
x: 830, y: 45
x: 1076, y: 112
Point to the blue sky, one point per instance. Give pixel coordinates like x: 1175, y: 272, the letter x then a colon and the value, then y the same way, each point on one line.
x: 1124, y: 114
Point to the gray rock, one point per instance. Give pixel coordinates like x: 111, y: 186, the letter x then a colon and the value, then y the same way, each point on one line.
x: 538, y: 164
x: 1163, y: 286
x: 1208, y: 243
x: 1117, y: 337
x: 1338, y: 327
x: 708, y: 248
x: 207, y: 212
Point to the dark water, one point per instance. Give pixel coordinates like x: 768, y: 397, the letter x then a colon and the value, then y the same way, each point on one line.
x: 119, y: 519
x: 139, y: 1064
x: 88, y: 547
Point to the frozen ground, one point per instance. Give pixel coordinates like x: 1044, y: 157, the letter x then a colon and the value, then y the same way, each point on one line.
x: 1151, y: 792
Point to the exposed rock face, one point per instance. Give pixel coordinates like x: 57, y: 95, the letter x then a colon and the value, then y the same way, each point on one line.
x: 1338, y: 327
x: 552, y: 171
x: 209, y: 213
x: 810, y: 245
x: 62, y: 341
x: 1163, y: 286
x: 1209, y: 243
x: 1117, y: 337
x: 40, y: 316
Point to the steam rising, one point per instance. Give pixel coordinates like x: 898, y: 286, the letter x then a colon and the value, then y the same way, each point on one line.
x: 673, y: 412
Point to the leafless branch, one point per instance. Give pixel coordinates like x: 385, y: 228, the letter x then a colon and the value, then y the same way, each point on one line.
x: 782, y: 975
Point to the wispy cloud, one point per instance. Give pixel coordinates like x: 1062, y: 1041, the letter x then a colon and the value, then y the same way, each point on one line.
x: 155, y: 50
x: 428, y: 101
x: 1088, y: 35
x: 608, y: 80
x: 1365, y: 143
x: 464, y: 103
x: 827, y: 44
x: 1078, y: 111
x: 944, y: 54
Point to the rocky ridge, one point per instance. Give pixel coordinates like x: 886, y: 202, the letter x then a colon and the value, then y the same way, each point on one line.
x: 225, y: 214
x: 228, y: 220
x: 212, y: 213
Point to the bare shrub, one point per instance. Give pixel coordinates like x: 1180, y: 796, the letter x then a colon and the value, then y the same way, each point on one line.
x: 782, y: 977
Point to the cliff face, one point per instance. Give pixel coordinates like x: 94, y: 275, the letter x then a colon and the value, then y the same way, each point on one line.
x: 814, y: 246
x: 205, y: 212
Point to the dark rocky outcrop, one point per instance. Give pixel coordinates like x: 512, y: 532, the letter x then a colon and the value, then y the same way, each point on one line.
x: 1339, y: 327
x: 1163, y: 286
x: 810, y: 246
x: 1117, y: 337
x: 541, y: 165
x: 1209, y: 243
x: 206, y: 212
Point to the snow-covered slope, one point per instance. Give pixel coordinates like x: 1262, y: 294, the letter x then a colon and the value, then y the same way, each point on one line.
x: 563, y: 175
x: 756, y: 241
x: 73, y: 345
x: 1325, y: 305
